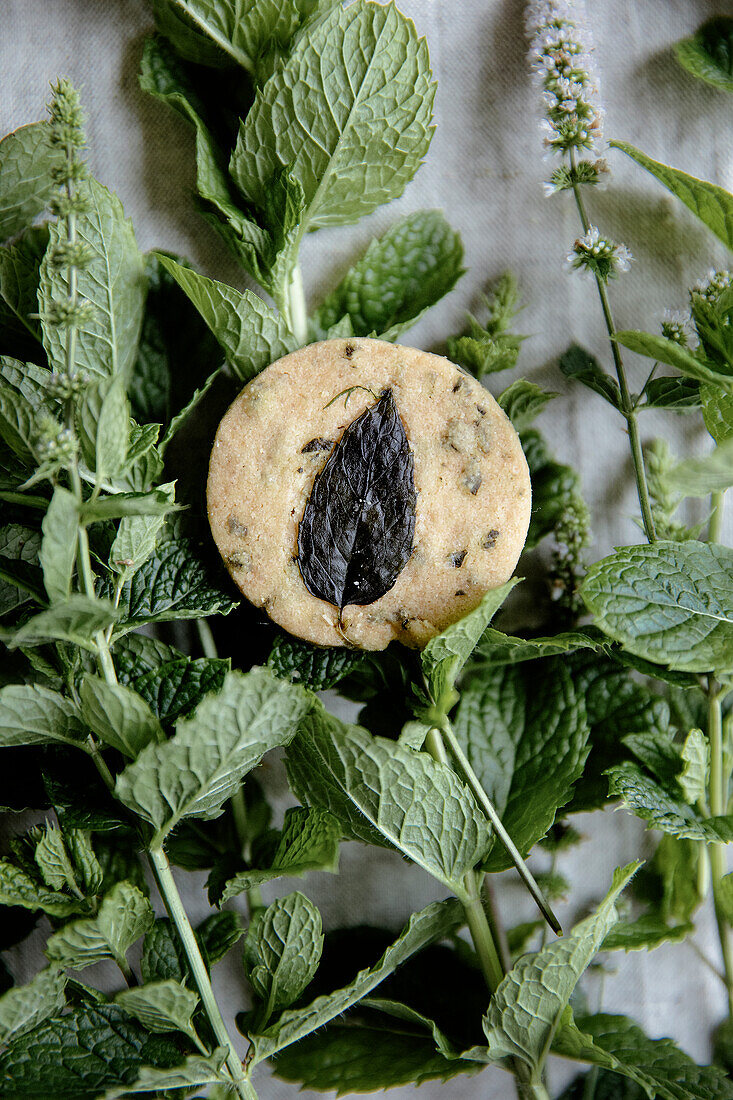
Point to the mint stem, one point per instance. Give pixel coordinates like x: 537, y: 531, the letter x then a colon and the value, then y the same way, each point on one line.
x: 488, y: 807
x: 172, y: 899
x: 717, y: 505
x: 295, y: 308
x: 718, y: 805
x: 627, y: 406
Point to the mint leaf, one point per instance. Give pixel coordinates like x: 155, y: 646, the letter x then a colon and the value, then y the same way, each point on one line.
x: 161, y: 1006
x: 674, y: 355
x: 26, y: 181
x: 19, y: 273
x: 348, y: 112
x: 313, y: 666
x: 242, y: 30
x: 428, y: 926
x: 445, y: 655
x: 58, y: 550
x: 495, y: 648
x: 401, y: 274
x: 309, y: 841
x: 25, y: 1006
x: 717, y: 412
x: 18, y: 888
x: 663, y: 807
x: 644, y: 933
x: 696, y: 477
x: 250, y: 332
x: 657, y: 1065
x: 708, y: 202
x: 76, y: 1055
x: 176, y: 686
x: 386, y: 794
x: 522, y: 1026
x: 18, y: 424
x: 194, y: 1073
x: 282, y: 950
x: 174, y: 583
x: 76, y: 621
x: 367, y: 1057
x: 33, y: 715
x: 19, y: 547
x: 54, y: 861
x: 708, y: 54
x: 580, y: 366
x: 194, y: 773
x: 113, y: 281
x: 525, y: 731
x: 671, y: 392
x: 695, y: 756
x: 671, y: 603
x: 523, y: 401
x: 124, y: 916
x: 118, y: 716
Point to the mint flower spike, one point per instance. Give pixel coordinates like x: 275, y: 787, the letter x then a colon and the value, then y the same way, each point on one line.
x: 66, y: 116
x: 594, y: 255
x: 561, y: 58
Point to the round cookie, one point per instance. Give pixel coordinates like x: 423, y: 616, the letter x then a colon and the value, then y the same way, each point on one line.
x: 471, y: 480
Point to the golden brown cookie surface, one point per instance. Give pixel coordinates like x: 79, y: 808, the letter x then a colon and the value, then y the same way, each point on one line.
x: 470, y: 475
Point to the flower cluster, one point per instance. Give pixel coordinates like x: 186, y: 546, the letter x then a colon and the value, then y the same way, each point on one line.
x: 64, y: 387
x: 55, y: 446
x: 568, y: 565
x: 598, y: 256
x: 712, y: 286
x: 561, y: 57
x: 676, y: 326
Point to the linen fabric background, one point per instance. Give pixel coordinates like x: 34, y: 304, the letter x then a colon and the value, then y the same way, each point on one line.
x: 485, y: 170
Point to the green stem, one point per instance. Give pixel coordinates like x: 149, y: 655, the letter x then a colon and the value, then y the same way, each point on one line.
x: 174, y: 906
x: 483, y: 940
x: 718, y: 799
x: 208, y: 645
x: 239, y: 815
x: 295, y: 309
x: 628, y: 410
x: 25, y: 499
x: 717, y: 506
x: 488, y: 807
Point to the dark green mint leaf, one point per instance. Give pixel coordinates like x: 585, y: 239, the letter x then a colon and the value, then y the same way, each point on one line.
x: 196, y: 1072
x: 428, y: 926
x: 161, y: 1006
x: 26, y: 181
x: 309, y: 841
x: 113, y: 281
x: 19, y: 547
x: 495, y: 648
x: 386, y: 794
x: 19, y: 274
x: 76, y: 1055
x: 18, y: 424
x: 193, y: 773
x: 175, y: 583
x: 318, y: 114
x: 355, y: 537
x: 671, y: 603
x: 313, y: 666
x: 218, y: 934
x: 176, y: 687
x: 680, y: 394
x: 525, y: 731
x: 657, y: 1065
x: 401, y: 274
x: 708, y: 54
x: 691, y: 364
x: 17, y: 888
x: 580, y: 365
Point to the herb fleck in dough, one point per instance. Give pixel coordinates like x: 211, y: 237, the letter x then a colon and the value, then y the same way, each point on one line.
x: 471, y: 478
